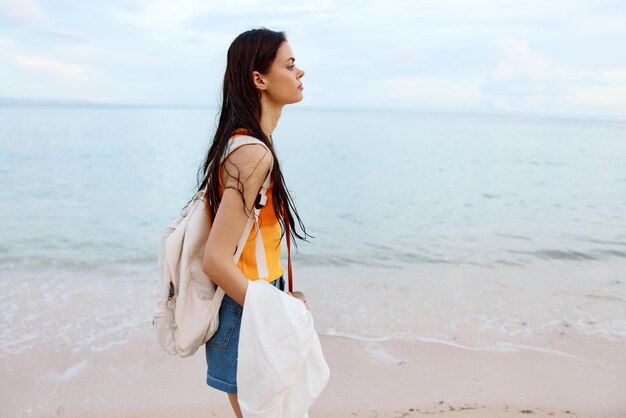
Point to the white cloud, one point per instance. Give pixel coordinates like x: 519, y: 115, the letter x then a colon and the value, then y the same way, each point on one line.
x: 598, y: 99
x: 523, y: 80
x: 423, y: 90
x: 529, y: 81
x: 166, y: 15
x: 521, y: 61
x: 500, y: 103
x: 30, y: 14
x: 197, y: 24
x: 163, y: 15
x: 22, y: 11
x: 73, y: 72
x: 603, y: 92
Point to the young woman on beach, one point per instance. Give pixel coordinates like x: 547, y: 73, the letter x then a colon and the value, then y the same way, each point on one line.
x: 261, y: 77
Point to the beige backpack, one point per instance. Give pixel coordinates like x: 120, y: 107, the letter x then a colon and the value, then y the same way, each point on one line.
x: 188, y: 301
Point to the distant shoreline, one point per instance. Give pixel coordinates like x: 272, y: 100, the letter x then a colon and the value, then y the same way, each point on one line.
x: 43, y: 103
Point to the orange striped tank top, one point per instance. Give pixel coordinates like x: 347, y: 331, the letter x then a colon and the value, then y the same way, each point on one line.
x: 269, y: 228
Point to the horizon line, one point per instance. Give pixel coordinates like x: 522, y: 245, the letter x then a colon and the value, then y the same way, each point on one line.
x: 34, y: 102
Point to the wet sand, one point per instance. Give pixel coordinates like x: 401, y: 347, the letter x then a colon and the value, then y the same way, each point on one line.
x: 368, y: 379
x: 72, y: 353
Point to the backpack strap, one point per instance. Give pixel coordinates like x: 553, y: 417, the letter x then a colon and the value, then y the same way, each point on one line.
x: 261, y: 201
x: 288, y: 236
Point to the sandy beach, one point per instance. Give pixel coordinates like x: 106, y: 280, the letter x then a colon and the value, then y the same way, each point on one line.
x: 83, y: 347
x: 385, y: 379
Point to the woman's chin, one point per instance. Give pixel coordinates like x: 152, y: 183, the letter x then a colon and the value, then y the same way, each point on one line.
x: 296, y: 100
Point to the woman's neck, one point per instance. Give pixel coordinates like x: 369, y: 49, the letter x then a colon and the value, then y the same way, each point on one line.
x: 270, y: 113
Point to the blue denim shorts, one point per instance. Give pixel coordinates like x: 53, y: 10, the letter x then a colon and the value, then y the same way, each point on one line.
x: 222, y: 349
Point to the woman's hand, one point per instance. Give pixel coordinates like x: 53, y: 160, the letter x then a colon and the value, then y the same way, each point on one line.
x: 299, y: 295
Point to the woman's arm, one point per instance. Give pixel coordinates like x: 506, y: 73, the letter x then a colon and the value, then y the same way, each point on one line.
x: 251, y: 164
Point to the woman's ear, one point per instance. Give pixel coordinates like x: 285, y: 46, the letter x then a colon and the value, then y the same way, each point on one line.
x: 259, y: 80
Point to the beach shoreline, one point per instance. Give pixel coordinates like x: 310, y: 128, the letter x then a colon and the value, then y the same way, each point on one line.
x: 81, y: 345
x: 381, y: 379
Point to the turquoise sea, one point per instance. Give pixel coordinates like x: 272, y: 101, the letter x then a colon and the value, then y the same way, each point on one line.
x: 92, y: 187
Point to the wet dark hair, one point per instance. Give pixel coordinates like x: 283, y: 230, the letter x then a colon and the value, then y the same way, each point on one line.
x: 253, y: 50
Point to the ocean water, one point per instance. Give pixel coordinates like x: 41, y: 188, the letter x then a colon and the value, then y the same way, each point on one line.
x: 92, y: 187
x: 471, y: 231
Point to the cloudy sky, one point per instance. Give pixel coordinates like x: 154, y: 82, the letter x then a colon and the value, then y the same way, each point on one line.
x: 541, y: 57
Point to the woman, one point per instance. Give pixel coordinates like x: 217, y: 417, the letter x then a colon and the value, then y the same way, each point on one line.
x: 261, y: 77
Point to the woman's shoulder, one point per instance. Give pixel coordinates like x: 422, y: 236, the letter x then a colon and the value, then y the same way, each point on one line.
x: 250, y: 161
x: 252, y: 153
x: 249, y: 148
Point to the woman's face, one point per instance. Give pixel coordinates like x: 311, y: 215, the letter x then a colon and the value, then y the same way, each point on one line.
x: 283, y: 83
